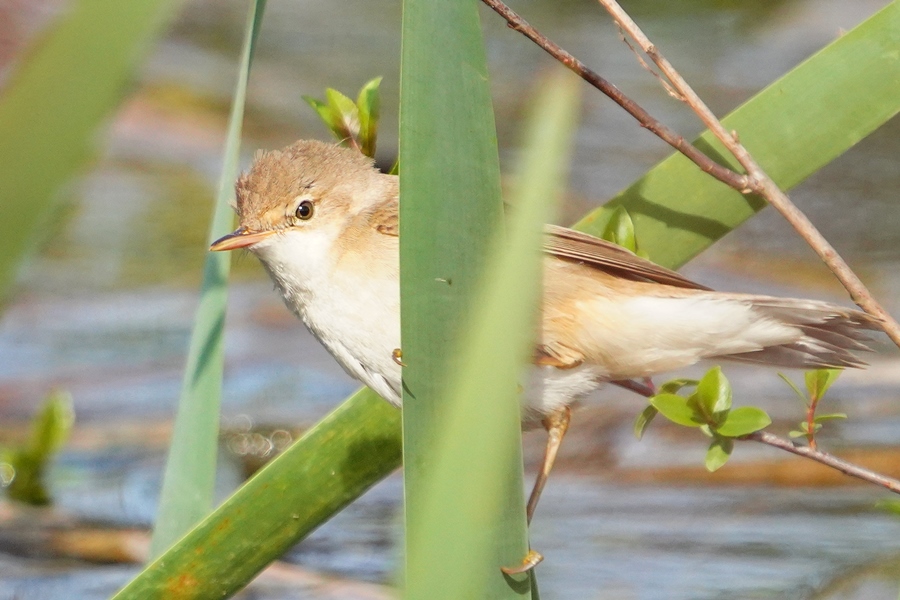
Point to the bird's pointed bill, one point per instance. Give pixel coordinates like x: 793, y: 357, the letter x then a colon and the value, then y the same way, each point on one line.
x: 239, y: 238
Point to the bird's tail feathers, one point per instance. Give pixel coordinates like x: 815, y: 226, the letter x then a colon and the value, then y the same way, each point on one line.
x: 831, y: 334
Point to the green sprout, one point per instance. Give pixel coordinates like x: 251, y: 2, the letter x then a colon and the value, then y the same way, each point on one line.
x: 620, y: 230
x: 23, y: 469
x: 709, y: 409
x: 817, y: 384
x: 354, y: 124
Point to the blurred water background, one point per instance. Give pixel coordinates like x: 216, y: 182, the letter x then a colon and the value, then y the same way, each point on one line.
x: 103, y: 310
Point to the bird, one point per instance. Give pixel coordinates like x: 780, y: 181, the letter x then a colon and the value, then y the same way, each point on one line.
x: 324, y: 223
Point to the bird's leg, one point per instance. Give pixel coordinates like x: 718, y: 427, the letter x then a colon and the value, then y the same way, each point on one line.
x: 556, y: 424
x: 645, y: 389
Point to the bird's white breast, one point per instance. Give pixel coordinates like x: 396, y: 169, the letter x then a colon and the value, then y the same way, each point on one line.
x: 352, y: 305
x: 355, y: 316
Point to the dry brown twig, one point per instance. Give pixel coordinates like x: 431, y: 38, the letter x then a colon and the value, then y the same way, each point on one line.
x: 756, y: 181
x: 724, y: 174
x: 829, y: 460
x: 759, y: 181
x: 671, y: 91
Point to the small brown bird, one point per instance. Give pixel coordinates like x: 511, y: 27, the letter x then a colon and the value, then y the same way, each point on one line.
x: 324, y: 223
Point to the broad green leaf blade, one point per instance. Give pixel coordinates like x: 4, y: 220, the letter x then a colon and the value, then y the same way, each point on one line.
x: 675, y: 385
x: 793, y: 127
x: 643, y: 420
x: 52, y: 426
x: 451, y: 207
x: 451, y: 210
x: 794, y: 387
x: 620, y: 229
x: 25, y: 469
x: 804, y: 428
x: 718, y: 453
x: 744, y: 421
x: 324, y: 111
x: 476, y: 477
x: 450, y: 185
x: 677, y: 409
x: 713, y: 393
x: 51, y: 107
x: 830, y: 417
x: 344, y: 114
x: 330, y: 466
x: 189, y: 479
x: 369, y: 104
x: 818, y: 381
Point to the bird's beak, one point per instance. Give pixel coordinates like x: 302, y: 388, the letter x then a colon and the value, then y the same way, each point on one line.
x: 239, y: 238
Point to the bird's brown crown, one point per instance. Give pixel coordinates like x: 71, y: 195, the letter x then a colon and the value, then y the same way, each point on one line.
x: 278, y: 177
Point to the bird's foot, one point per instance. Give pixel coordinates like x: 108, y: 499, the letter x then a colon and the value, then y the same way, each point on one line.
x: 397, y: 356
x: 531, y: 560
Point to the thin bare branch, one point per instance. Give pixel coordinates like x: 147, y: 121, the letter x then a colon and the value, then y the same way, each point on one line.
x: 758, y: 180
x: 736, y: 180
x: 671, y: 91
x: 826, y: 459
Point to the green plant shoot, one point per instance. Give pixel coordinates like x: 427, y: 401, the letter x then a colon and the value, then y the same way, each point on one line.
x: 620, y: 230
x: 22, y: 470
x: 709, y: 409
x: 354, y: 124
x: 817, y: 384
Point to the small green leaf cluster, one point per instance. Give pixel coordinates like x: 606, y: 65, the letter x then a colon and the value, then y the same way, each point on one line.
x: 817, y: 384
x: 354, y: 124
x: 620, y: 230
x: 709, y: 409
x: 22, y: 470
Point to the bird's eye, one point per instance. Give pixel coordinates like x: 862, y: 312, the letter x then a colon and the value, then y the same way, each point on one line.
x: 304, y: 211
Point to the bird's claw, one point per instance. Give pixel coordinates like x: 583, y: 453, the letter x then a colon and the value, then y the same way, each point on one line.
x: 397, y: 355
x: 531, y: 560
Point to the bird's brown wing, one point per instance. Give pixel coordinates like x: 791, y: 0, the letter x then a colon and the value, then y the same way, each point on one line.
x: 606, y: 256
x: 384, y: 218
x: 568, y: 244
x: 557, y: 354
